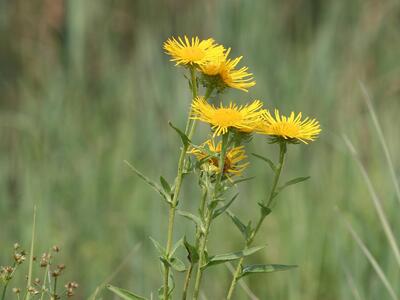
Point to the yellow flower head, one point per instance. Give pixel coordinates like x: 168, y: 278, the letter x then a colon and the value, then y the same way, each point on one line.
x: 234, y: 157
x: 224, y: 68
x: 193, y: 51
x: 244, y: 118
x: 290, y: 128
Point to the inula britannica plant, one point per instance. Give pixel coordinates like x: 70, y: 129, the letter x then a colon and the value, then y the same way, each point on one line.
x: 219, y: 163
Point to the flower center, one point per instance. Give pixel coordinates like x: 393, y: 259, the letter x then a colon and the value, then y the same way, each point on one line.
x: 286, y: 129
x: 227, y: 117
x: 193, y: 53
x: 212, y: 68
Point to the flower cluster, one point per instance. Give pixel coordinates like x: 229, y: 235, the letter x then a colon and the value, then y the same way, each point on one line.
x: 216, y: 162
x: 212, y: 60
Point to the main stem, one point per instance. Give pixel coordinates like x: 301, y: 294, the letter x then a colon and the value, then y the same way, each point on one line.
x: 209, y: 216
x: 178, y: 183
x: 198, y: 234
x: 268, y: 202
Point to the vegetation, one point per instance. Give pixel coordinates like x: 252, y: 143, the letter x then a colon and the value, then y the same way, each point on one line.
x: 85, y: 86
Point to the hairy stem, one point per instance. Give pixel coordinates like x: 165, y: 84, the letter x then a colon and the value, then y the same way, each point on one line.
x: 209, y: 216
x: 268, y: 203
x: 187, y: 281
x: 198, y: 235
x: 178, y: 183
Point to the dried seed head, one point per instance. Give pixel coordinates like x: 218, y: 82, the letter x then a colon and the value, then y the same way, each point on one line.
x: 16, y: 246
x: 56, y: 273
x: 45, y: 259
x: 16, y: 290
x: 56, y: 248
x: 33, y: 291
x: 37, y: 281
x: 7, y: 270
x: 19, y: 258
x: 71, y: 286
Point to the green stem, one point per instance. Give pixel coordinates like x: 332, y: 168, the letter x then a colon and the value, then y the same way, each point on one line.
x: 8, y: 279
x: 208, y: 218
x: 198, y: 235
x: 268, y: 202
x: 55, y: 288
x: 187, y: 281
x: 178, y: 183
x: 4, y: 291
x: 44, y: 281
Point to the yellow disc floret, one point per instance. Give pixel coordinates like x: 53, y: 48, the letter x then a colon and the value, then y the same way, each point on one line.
x: 233, y: 165
x: 243, y: 118
x: 224, y: 68
x: 192, y: 51
x: 291, y: 128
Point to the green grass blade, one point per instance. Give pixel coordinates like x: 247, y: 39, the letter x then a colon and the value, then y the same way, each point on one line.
x: 377, y: 203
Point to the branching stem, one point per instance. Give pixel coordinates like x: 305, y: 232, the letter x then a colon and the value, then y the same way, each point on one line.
x: 268, y: 202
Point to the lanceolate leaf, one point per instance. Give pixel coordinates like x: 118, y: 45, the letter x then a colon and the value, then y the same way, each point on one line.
x: 265, y: 211
x: 165, y: 185
x: 267, y: 160
x: 221, y: 258
x: 184, y: 138
x: 124, y: 294
x: 222, y: 209
x: 196, y: 220
x: 243, y: 180
x: 150, y: 182
x: 176, y: 246
x: 252, y: 269
x: 160, y: 249
x: 239, y: 224
x: 291, y: 182
x: 177, y: 264
x: 193, y: 255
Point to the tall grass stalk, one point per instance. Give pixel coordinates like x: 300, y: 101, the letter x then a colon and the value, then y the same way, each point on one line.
x: 382, y: 139
x: 372, y: 260
x: 376, y: 201
x: 31, y: 256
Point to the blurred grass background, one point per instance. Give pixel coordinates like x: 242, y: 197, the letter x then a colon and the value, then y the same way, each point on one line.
x: 85, y: 85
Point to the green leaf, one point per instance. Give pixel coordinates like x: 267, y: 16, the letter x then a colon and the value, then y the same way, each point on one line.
x: 291, y: 182
x: 165, y: 185
x: 176, y: 246
x: 243, y: 180
x: 252, y: 269
x: 267, y: 160
x: 265, y: 211
x: 196, y: 220
x: 151, y: 183
x: 239, y: 224
x: 124, y: 294
x: 221, y: 258
x: 184, y: 138
x: 193, y: 255
x: 222, y: 209
x: 177, y: 264
x: 160, y: 249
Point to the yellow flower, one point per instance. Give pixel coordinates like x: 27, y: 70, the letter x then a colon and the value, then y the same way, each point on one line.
x: 290, y: 128
x: 224, y: 69
x: 244, y: 118
x: 234, y: 157
x: 193, y: 51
